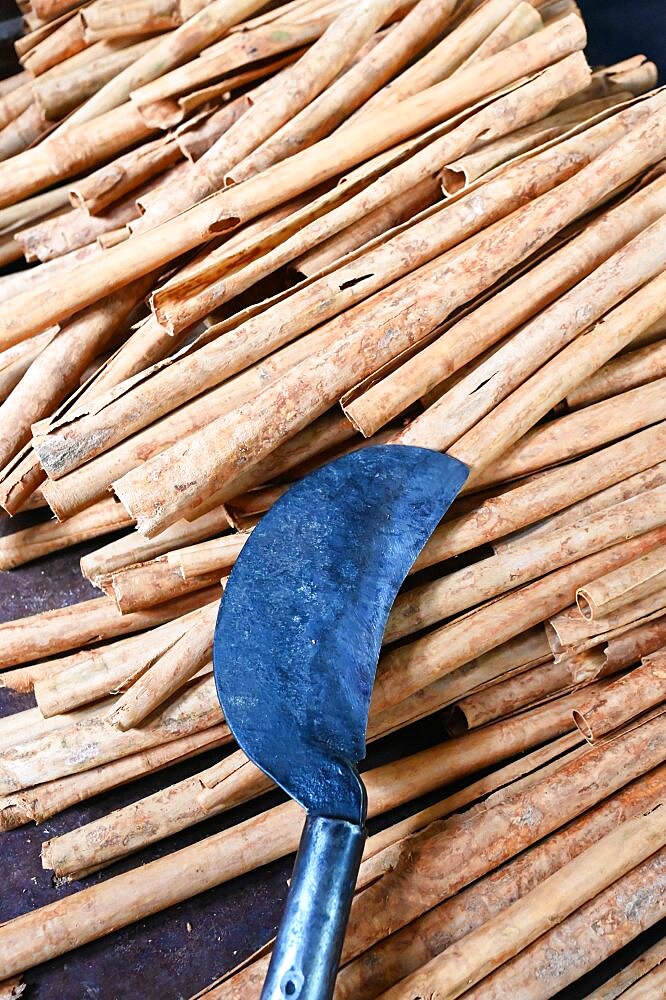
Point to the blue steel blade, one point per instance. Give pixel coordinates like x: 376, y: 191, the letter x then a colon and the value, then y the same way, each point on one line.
x: 301, y: 622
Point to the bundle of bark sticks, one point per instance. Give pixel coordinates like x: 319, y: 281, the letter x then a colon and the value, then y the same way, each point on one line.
x: 266, y: 235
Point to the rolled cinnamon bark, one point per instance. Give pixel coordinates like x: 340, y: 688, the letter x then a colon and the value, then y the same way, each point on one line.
x: 349, y: 92
x: 46, y: 800
x: 315, y: 164
x: 55, y: 237
x: 174, y: 47
x: 76, y: 150
x: 652, y: 984
x: 86, y: 676
x: 334, y: 369
x: 631, y: 905
x: 133, y: 549
x: 93, y: 742
x: 440, y: 861
x: 479, y: 446
x: 21, y: 133
x: 498, y: 316
x: 56, y: 96
x: 588, y: 428
x: 632, y: 645
x: 632, y: 582
x: 149, y: 584
x: 547, y: 904
x: 58, y: 927
x: 237, y: 780
x: 81, y: 487
x: 15, y: 361
x: 624, y: 699
x: 559, y: 488
x: 32, y: 543
x: 569, y: 630
x: 625, y: 372
x: 453, y: 593
x: 632, y: 973
x: 487, y: 155
x: 380, y: 220
x: 409, y: 668
x: 102, y: 187
x: 479, y: 393
x: 60, y: 364
x: 506, y: 697
x: 81, y: 624
x: 138, y: 17
x: 168, y: 673
x: 61, y: 43
x: 446, y: 56
x: 213, y: 556
x: 649, y: 479
x: 327, y: 297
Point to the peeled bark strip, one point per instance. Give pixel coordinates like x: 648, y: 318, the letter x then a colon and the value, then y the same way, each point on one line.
x: 15, y: 361
x: 409, y: 668
x: 82, y: 624
x: 628, y: 907
x: 133, y: 549
x: 651, y: 985
x: 624, y: 699
x: 40, y: 803
x: 168, y: 673
x: 292, y: 176
x: 188, y: 802
x: 464, y: 588
x: 502, y: 937
x: 624, y: 586
x: 439, y: 862
x: 94, y: 742
x: 557, y: 489
x: 625, y: 372
x: 586, y: 429
x: 32, y: 543
x: 72, y: 230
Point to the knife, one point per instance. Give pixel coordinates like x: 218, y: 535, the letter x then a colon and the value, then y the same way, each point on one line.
x: 296, y: 646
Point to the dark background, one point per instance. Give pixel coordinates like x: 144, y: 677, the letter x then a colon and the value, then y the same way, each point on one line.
x: 175, y: 953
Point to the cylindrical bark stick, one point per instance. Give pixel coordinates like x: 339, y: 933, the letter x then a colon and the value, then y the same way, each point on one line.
x: 624, y: 699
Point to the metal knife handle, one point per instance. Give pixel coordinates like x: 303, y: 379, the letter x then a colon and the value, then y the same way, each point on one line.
x: 309, y: 941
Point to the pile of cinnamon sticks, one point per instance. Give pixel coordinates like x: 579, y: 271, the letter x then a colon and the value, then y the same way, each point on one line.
x: 263, y: 236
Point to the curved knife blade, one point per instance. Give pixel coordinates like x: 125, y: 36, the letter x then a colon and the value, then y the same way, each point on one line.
x: 301, y: 622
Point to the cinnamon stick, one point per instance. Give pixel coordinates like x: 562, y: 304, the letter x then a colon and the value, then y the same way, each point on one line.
x: 505, y: 935
x: 624, y: 699
x: 168, y: 673
x: 632, y: 582
x: 626, y: 372
x: 409, y: 668
x: 81, y: 624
